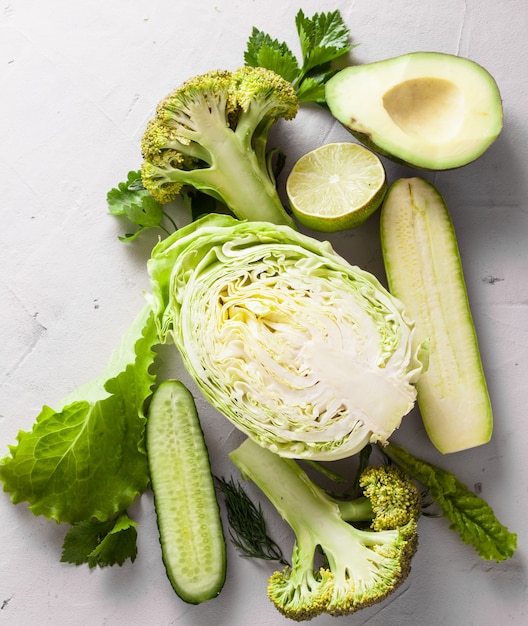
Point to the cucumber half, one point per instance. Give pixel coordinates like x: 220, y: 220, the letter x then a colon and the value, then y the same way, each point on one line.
x: 424, y: 271
x: 188, y: 515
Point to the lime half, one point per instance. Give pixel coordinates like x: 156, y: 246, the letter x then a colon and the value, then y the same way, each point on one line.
x: 336, y: 186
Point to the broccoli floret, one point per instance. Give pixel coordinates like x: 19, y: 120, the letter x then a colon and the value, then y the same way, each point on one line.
x: 211, y: 133
x: 362, y: 565
x: 390, y: 498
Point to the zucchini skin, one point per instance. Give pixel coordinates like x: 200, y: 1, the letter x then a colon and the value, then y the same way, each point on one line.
x: 188, y: 515
x: 424, y: 270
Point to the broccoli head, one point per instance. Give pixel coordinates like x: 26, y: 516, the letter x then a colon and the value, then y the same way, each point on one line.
x: 211, y: 134
x: 362, y: 564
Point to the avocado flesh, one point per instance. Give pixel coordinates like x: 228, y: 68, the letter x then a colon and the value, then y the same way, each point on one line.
x: 429, y: 110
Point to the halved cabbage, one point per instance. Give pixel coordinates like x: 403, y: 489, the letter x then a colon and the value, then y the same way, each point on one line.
x: 309, y: 356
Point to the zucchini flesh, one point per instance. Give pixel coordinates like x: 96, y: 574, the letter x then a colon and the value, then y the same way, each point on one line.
x: 424, y: 271
x: 188, y: 515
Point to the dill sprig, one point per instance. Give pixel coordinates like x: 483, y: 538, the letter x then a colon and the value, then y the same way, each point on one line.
x: 248, y: 530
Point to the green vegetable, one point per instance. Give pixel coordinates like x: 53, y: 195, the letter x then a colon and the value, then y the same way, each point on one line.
x: 188, y: 516
x: 100, y: 544
x: 424, y: 271
x: 131, y: 199
x: 306, y: 354
x: 426, y: 109
x: 309, y: 356
x: 324, y: 38
x: 247, y: 526
x: 85, y: 461
x: 55, y: 467
x: 470, y: 516
x: 211, y: 133
x: 191, y: 160
x: 363, y: 566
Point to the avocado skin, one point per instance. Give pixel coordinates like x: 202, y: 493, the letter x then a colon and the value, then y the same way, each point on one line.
x: 366, y: 140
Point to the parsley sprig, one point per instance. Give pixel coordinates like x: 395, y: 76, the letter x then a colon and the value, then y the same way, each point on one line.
x: 130, y: 199
x: 101, y: 544
x: 324, y: 38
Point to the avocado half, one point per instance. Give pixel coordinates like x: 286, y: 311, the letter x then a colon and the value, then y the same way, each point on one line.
x: 429, y: 110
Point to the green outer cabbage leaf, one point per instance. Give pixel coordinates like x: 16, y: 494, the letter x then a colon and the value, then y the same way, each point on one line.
x: 85, y: 459
x: 307, y: 355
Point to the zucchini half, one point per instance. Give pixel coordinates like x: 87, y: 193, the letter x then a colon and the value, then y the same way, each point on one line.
x: 188, y: 515
x: 424, y: 271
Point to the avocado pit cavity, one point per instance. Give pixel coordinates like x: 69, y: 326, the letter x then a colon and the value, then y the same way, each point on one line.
x: 430, y: 108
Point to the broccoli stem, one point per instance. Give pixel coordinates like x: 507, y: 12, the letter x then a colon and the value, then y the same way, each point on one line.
x: 360, y: 567
x: 314, y: 516
x: 357, y: 510
x: 285, y: 484
x: 242, y: 182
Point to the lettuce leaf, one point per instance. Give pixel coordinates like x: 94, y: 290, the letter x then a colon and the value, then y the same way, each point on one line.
x: 85, y: 459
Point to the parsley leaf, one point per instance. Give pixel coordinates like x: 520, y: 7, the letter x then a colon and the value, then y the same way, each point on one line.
x: 323, y: 39
x: 100, y: 544
x: 263, y: 51
x: 132, y: 200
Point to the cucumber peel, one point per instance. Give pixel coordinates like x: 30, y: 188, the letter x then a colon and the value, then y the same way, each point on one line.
x: 188, y: 515
x: 424, y: 271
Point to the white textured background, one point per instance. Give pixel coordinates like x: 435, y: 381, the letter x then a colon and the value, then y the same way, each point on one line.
x: 78, y: 81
